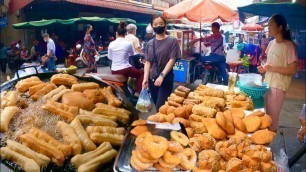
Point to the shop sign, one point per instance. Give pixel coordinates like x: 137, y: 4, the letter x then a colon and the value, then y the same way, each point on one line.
x: 178, y: 66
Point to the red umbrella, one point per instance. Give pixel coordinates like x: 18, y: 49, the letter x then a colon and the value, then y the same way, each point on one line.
x: 252, y: 27
x: 201, y: 11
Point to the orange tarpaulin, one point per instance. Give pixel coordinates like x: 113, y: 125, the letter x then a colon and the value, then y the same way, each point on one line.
x: 201, y: 11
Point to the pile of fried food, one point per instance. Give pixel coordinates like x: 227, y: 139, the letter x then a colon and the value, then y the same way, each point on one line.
x: 235, y: 155
x: 88, y: 123
x: 212, y: 116
x: 156, y: 151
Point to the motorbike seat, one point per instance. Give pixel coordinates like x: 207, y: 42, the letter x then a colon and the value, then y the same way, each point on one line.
x: 112, y: 77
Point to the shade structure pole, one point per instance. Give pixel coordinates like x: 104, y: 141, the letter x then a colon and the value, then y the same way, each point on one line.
x: 200, y: 37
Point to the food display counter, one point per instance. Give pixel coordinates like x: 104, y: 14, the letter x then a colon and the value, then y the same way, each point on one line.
x: 60, y: 122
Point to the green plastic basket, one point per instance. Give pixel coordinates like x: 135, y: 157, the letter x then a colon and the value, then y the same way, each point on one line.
x: 252, y: 91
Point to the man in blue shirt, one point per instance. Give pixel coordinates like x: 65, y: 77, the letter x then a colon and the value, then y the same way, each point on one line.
x: 48, y: 60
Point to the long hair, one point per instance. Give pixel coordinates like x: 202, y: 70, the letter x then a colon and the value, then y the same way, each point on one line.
x: 281, y: 21
x: 121, y: 30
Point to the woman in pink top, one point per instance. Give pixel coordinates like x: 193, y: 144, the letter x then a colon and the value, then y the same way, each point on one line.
x: 280, y: 67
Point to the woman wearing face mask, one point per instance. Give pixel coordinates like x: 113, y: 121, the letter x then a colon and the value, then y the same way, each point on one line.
x: 89, y: 51
x: 161, y: 54
x: 280, y: 67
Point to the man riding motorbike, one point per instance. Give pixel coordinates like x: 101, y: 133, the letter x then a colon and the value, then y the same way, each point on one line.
x: 217, y: 54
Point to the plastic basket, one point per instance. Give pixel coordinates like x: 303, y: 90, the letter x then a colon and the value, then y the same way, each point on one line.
x: 252, y: 91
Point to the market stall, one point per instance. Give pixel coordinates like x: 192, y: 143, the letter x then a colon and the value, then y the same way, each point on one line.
x: 195, y: 11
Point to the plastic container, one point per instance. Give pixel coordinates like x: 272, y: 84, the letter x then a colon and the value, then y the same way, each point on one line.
x: 250, y: 77
x: 254, y: 92
x: 232, y: 80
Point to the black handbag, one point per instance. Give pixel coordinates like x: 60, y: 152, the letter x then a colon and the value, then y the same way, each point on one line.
x: 169, y: 77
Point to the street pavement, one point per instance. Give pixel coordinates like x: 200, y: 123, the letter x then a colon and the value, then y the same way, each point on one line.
x: 289, y: 123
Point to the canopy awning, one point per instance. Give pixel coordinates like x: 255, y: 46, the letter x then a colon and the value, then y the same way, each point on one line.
x: 294, y: 12
x: 44, y: 23
x: 201, y: 11
x: 16, y: 5
x: 118, y: 5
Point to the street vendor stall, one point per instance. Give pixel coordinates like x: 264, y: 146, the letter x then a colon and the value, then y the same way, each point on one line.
x: 196, y: 11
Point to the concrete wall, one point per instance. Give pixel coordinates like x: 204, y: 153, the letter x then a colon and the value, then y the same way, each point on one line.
x: 10, y: 34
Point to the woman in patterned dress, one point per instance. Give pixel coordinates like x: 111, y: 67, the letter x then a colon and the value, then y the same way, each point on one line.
x: 89, y: 51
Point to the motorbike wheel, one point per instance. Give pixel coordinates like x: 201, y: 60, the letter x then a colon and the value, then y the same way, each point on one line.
x: 80, y: 64
x: 205, y: 77
x: 110, y: 64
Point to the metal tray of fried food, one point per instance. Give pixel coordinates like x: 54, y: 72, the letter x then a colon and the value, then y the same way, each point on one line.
x: 67, y: 166
x: 122, y: 162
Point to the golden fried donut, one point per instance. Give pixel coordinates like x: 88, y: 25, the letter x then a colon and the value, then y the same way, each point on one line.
x: 137, y: 164
x: 164, y: 164
x: 185, y: 122
x: 162, y: 169
x: 144, y: 159
x: 175, y: 146
x: 188, y: 159
x: 171, y: 158
x: 140, y: 138
x: 155, y: 146
x: 180, y: 137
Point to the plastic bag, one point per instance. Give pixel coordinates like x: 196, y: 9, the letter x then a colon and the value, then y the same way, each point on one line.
x: 144, y: 103
x: 281, y: 160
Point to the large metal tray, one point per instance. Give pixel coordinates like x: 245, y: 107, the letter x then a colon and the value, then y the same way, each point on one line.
x: 67, y: 167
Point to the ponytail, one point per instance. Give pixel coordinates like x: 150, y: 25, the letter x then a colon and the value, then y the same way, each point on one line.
x: 121, y: 30
x: 281, y: 21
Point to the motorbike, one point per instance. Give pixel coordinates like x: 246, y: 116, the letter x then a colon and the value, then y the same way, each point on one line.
x: 208, y: 72
x: 101, y: 59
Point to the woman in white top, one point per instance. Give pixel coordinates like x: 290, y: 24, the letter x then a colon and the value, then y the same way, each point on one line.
x: 280, y: 67
x: 119, y: 51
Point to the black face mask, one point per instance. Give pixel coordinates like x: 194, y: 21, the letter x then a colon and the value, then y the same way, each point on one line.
x: 159, y: 29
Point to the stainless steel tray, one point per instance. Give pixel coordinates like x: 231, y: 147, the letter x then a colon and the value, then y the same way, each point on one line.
x: 122, y: 162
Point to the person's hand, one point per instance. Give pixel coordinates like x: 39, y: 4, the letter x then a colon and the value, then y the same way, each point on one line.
x: 159, y: 81
x: 261, y: 69
x: 268, y: 67
x: 145, y: 83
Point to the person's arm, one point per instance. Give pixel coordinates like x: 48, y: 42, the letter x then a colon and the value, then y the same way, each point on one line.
x: 145, y: 81
x: 130, y: 50
x: 110, y: 54
x: 169, y: 66
x: 137, y: 46
x: 290, y: 70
